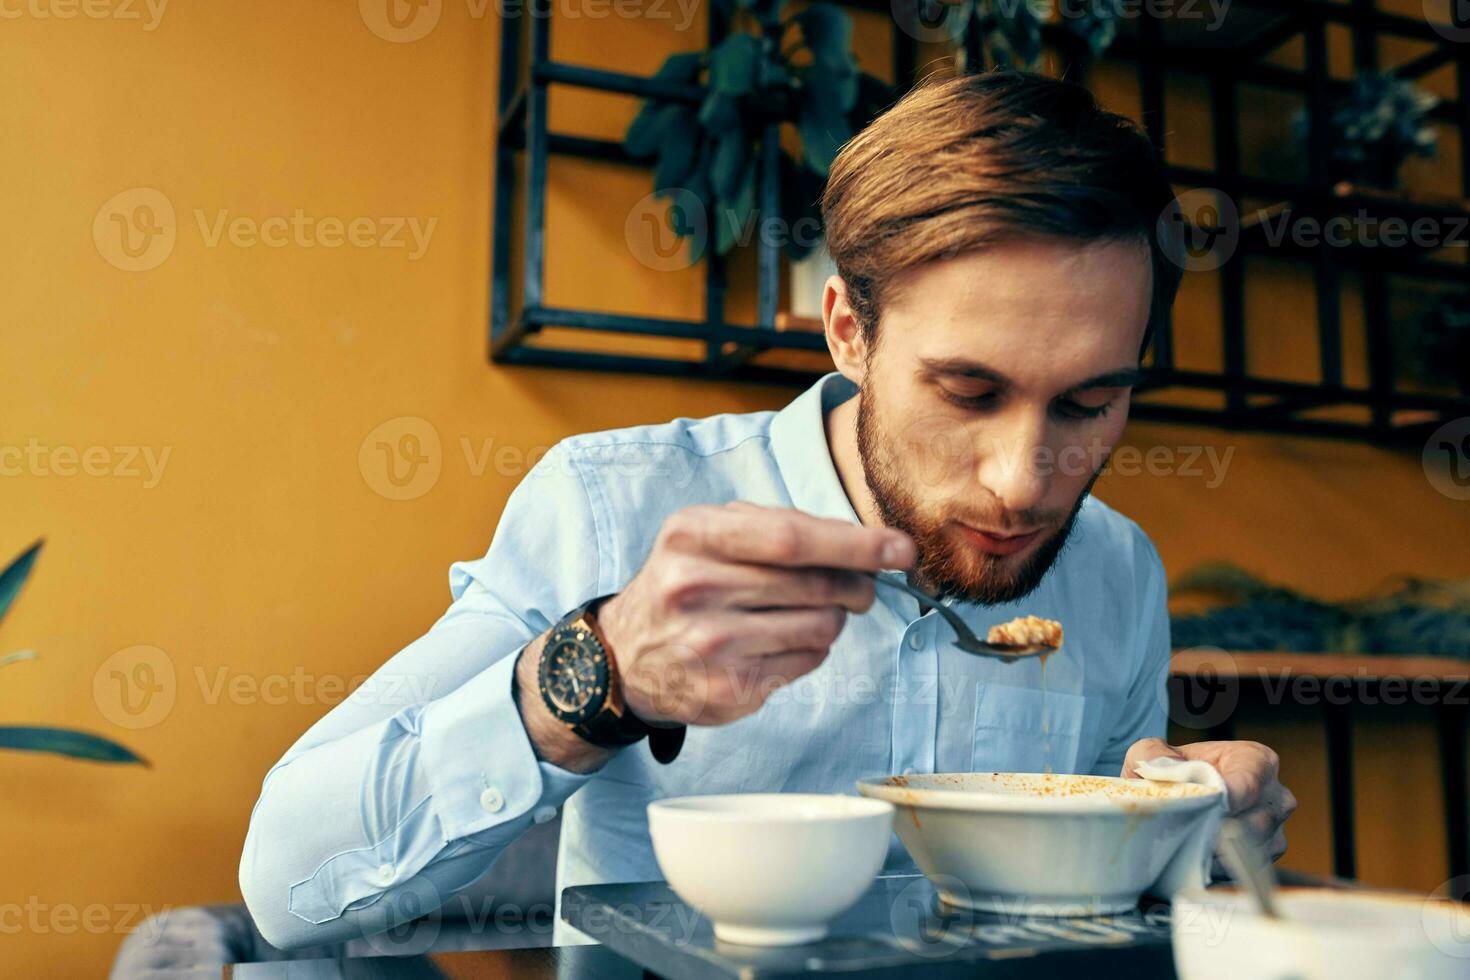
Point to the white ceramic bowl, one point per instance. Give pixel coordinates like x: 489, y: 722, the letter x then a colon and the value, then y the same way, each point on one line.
x: 770, y: 869
x: 1324, y: 934
x: 1042, y: 844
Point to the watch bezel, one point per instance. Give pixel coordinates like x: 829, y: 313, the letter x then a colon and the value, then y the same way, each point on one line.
x: 589, y: 649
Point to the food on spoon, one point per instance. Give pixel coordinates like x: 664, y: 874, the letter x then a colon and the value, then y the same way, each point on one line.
x: 1026, y: 631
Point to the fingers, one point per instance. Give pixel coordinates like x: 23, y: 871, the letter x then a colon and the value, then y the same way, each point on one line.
x: 1144, y: 750
x: 733, y: 635
x: 765, y: 587
x: 1250, y: 772
x: 781, y: 536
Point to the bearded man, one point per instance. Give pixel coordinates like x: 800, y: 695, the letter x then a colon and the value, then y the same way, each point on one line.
x: 682, y: 608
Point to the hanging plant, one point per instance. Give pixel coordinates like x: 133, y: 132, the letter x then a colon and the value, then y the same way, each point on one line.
x: 31, y: 738
x: 1379, y: 124
x: 1010, y: 31
x: 796, y: 70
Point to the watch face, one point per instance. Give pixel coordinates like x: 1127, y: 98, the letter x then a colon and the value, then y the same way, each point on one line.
x: 573, y: 676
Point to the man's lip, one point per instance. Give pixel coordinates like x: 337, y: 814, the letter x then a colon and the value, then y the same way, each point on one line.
x: 997, y: 543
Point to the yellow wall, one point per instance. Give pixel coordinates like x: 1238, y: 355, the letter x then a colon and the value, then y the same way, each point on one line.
x: 264, y: 559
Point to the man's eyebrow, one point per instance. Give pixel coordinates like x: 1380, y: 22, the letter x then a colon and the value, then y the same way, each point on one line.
x: 964, y: 366
x: 1121, y: 378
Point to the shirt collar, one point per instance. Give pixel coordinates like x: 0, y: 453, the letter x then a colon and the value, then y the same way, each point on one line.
x: 799, y: 443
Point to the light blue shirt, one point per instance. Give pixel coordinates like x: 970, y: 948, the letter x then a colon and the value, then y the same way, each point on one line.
x: 405, y: 793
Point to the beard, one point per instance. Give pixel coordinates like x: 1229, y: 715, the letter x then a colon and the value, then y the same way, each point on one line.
x: 946, y: 566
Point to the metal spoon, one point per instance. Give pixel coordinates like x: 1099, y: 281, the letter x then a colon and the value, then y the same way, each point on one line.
x: 1242, y: 856
x: 965, y: 639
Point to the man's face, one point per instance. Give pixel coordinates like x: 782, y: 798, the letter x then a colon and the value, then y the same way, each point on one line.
x: 999, y: 384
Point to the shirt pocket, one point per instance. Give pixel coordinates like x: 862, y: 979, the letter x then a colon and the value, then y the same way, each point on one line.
x: 1022, y: 729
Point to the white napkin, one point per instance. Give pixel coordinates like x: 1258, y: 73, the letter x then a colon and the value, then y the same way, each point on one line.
x: 1190, y: 866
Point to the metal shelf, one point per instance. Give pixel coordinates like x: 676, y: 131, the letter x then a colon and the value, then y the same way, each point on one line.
x: 1228, y: 59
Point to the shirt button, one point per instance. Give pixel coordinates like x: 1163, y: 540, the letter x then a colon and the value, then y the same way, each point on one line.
x: 492, y: 800
x: 386, y: 874
x: 544, y: 814
x: 915, y: 641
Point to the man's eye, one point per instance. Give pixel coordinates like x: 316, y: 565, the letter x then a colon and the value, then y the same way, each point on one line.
x: 969, y: 400
x: 1067, y: 408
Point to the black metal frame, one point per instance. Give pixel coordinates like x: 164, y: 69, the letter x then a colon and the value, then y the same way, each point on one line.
x: 1249, y: 401
x: 1452, y: 722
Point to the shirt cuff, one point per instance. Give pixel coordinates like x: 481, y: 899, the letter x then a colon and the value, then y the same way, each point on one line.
x: 481, y: 768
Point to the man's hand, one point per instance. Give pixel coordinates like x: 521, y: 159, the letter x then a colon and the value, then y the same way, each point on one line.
x: 1250, y: 772
x: 736, y: 600
x: 732, y: 602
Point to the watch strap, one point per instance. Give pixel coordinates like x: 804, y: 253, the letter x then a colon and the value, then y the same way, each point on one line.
x: 616, y: 727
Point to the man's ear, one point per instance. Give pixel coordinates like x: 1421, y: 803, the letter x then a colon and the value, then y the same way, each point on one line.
x: 844, y: 336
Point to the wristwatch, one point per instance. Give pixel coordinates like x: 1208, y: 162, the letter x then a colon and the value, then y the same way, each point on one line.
x: 579, y: 683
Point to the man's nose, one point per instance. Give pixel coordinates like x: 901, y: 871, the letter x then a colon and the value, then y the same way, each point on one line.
x: 1013, y: 461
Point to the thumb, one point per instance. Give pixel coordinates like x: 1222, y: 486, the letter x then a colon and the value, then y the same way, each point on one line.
x: 1146, y: 750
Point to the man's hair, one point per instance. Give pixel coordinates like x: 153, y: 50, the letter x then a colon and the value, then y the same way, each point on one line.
x: 965, y: 162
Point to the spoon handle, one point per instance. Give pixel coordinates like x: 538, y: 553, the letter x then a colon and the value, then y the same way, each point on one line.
x: 1242, y: 856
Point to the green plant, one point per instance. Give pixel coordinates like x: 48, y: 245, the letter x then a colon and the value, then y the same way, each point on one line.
x: 1380, y: 123
x: 796, y: 70
x: 1414, y: 616
x: 61, y: 741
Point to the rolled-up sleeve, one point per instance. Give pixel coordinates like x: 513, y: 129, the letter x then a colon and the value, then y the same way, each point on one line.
x: 409, y: 790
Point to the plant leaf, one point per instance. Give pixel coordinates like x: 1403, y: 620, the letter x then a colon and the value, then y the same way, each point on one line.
x: 728, y: 164
x: 719, y: 113
x: 676, y: 160
x: 827, y: 30
x: 67, y: 742
x: 732, y: 215
x: 17, y: 656
x: 732, y: 64
x: 823, y: 131
x: 646, y: 133
x: 15, y: 575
